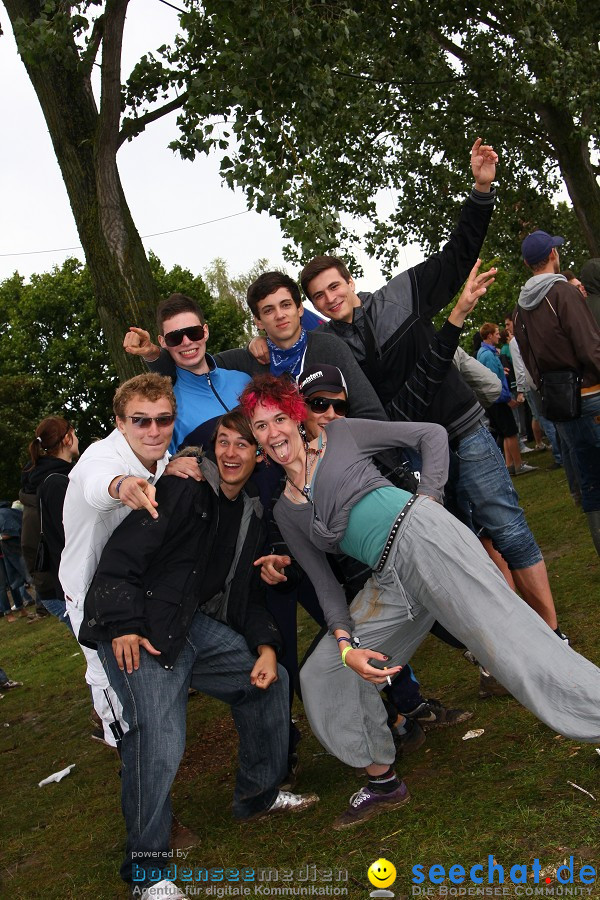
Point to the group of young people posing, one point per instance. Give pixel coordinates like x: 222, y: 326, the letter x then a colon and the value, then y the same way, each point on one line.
x: 167, y: 562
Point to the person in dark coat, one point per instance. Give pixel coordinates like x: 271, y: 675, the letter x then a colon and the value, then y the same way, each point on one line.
x: 43, y: 487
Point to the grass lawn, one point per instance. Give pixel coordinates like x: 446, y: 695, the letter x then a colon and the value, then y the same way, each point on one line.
x: 506, y: 794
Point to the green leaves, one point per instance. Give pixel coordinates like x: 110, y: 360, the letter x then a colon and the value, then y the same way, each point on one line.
x: 54, y: 358
x: 333, y: 103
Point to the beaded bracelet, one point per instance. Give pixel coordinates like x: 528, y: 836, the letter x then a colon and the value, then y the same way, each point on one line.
x: 120, y: 482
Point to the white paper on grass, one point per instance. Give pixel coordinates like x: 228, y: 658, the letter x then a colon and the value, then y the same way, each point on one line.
x: 57, y: 776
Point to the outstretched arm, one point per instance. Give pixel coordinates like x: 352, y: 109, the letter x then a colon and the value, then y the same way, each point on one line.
x: 441, y: 275
x: 413, y: 400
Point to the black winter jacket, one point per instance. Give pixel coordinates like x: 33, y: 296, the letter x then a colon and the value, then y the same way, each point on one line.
x: 151, y: 570
x: 392, y: 330
x: 36, y: 486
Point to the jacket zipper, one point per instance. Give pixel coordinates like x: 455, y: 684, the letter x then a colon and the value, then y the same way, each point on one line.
x: 216, y: 393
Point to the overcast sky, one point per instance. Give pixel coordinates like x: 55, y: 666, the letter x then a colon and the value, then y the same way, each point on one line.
x: 163, y: 191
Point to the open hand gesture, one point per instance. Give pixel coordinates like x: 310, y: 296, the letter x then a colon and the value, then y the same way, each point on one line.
x: 483, y: 165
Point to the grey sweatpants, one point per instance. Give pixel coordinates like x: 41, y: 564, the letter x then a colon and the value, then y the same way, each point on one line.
x: 437, y: 569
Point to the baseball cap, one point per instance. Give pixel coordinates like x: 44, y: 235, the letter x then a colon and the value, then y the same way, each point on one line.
x: 321, y: 378
x: 537, y: 246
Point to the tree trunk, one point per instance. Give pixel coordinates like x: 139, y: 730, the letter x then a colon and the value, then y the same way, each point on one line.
x: 572, y: 154
x: 123, y: 285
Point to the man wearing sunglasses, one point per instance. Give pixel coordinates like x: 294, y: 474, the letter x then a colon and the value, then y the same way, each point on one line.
x: 112, y: 477
x: 204, y: 390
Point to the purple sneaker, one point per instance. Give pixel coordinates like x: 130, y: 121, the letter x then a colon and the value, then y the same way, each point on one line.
x: 366, y: 803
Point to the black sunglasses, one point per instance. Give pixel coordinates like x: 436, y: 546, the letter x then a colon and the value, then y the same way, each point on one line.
x: 193, y: 333
x: 322, y: 404
x: 164, y: 421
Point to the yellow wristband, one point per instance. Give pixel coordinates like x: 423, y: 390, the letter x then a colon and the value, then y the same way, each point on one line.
x: 345, y: 652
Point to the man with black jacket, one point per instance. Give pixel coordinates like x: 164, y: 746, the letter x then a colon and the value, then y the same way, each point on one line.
x: 168, y: 612
x: 388, y: 332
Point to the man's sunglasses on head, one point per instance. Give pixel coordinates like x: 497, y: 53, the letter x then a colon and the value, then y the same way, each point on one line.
x: 192, y: 333
x: 164, y: 421
x: 322, y: 404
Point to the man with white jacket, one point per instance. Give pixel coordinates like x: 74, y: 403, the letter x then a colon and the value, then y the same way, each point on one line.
x: 112, y: 477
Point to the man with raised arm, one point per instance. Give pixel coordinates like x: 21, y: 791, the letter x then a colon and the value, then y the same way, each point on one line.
x: 388, y: 331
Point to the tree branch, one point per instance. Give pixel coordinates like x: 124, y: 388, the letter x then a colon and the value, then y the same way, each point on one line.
x: 110, y: 82
x: 88, y: 56
x: 132, y: 127
x: 452, y: 48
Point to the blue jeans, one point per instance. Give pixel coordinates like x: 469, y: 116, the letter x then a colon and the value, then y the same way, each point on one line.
x: 583, y: 437
x: 480, y: 492
x: 215, y: 660
x: 58, y: 608
x: 15, y: 572
x: 535, y: 405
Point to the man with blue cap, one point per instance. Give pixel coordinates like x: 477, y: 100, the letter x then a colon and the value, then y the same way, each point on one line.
x: 556, y: 330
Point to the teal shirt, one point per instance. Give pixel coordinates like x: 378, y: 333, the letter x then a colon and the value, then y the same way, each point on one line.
x: 370, y: 523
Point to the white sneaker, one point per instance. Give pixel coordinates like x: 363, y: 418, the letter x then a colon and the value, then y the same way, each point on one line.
x: 286, y: 802
x: 163, y: 889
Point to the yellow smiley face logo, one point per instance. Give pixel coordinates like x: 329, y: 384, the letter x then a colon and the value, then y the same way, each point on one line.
x: 382, y: 873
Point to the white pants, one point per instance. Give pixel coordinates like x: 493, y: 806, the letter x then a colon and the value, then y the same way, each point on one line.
x: 106, y: 703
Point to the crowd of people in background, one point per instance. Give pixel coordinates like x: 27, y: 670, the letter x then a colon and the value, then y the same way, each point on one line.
x: 313, y: 467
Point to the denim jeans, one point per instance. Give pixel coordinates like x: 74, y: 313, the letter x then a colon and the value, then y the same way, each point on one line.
x: 583, y: 437
x: 4, y: 601
x: 480, y: 493
x: 535, y: 405
x: 15, y: 572
x: 215, y: 660
x: 58, y: 608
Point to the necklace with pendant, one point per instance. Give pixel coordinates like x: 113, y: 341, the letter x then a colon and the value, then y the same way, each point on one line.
x: 312, y: 457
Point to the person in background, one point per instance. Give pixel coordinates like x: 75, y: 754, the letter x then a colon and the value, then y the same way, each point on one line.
x: 6, y: 683
x: 574, y: 280
x: 11, y: 521
x: 44, y: 483
x: 500, y: 413
x: 590, y: 277
x: 557, y: 331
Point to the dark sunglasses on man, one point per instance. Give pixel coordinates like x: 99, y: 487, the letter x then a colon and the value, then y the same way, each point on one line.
x: 322, y: 404
x: 192, y: 333
x: 164, y: 421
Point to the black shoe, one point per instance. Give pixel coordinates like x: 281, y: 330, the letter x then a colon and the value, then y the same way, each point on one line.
x: 489, y: 686
x: 408, y: 735
x: 433, y: 714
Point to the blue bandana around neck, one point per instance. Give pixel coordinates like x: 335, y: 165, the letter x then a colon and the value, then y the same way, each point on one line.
x: 289, y: 360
